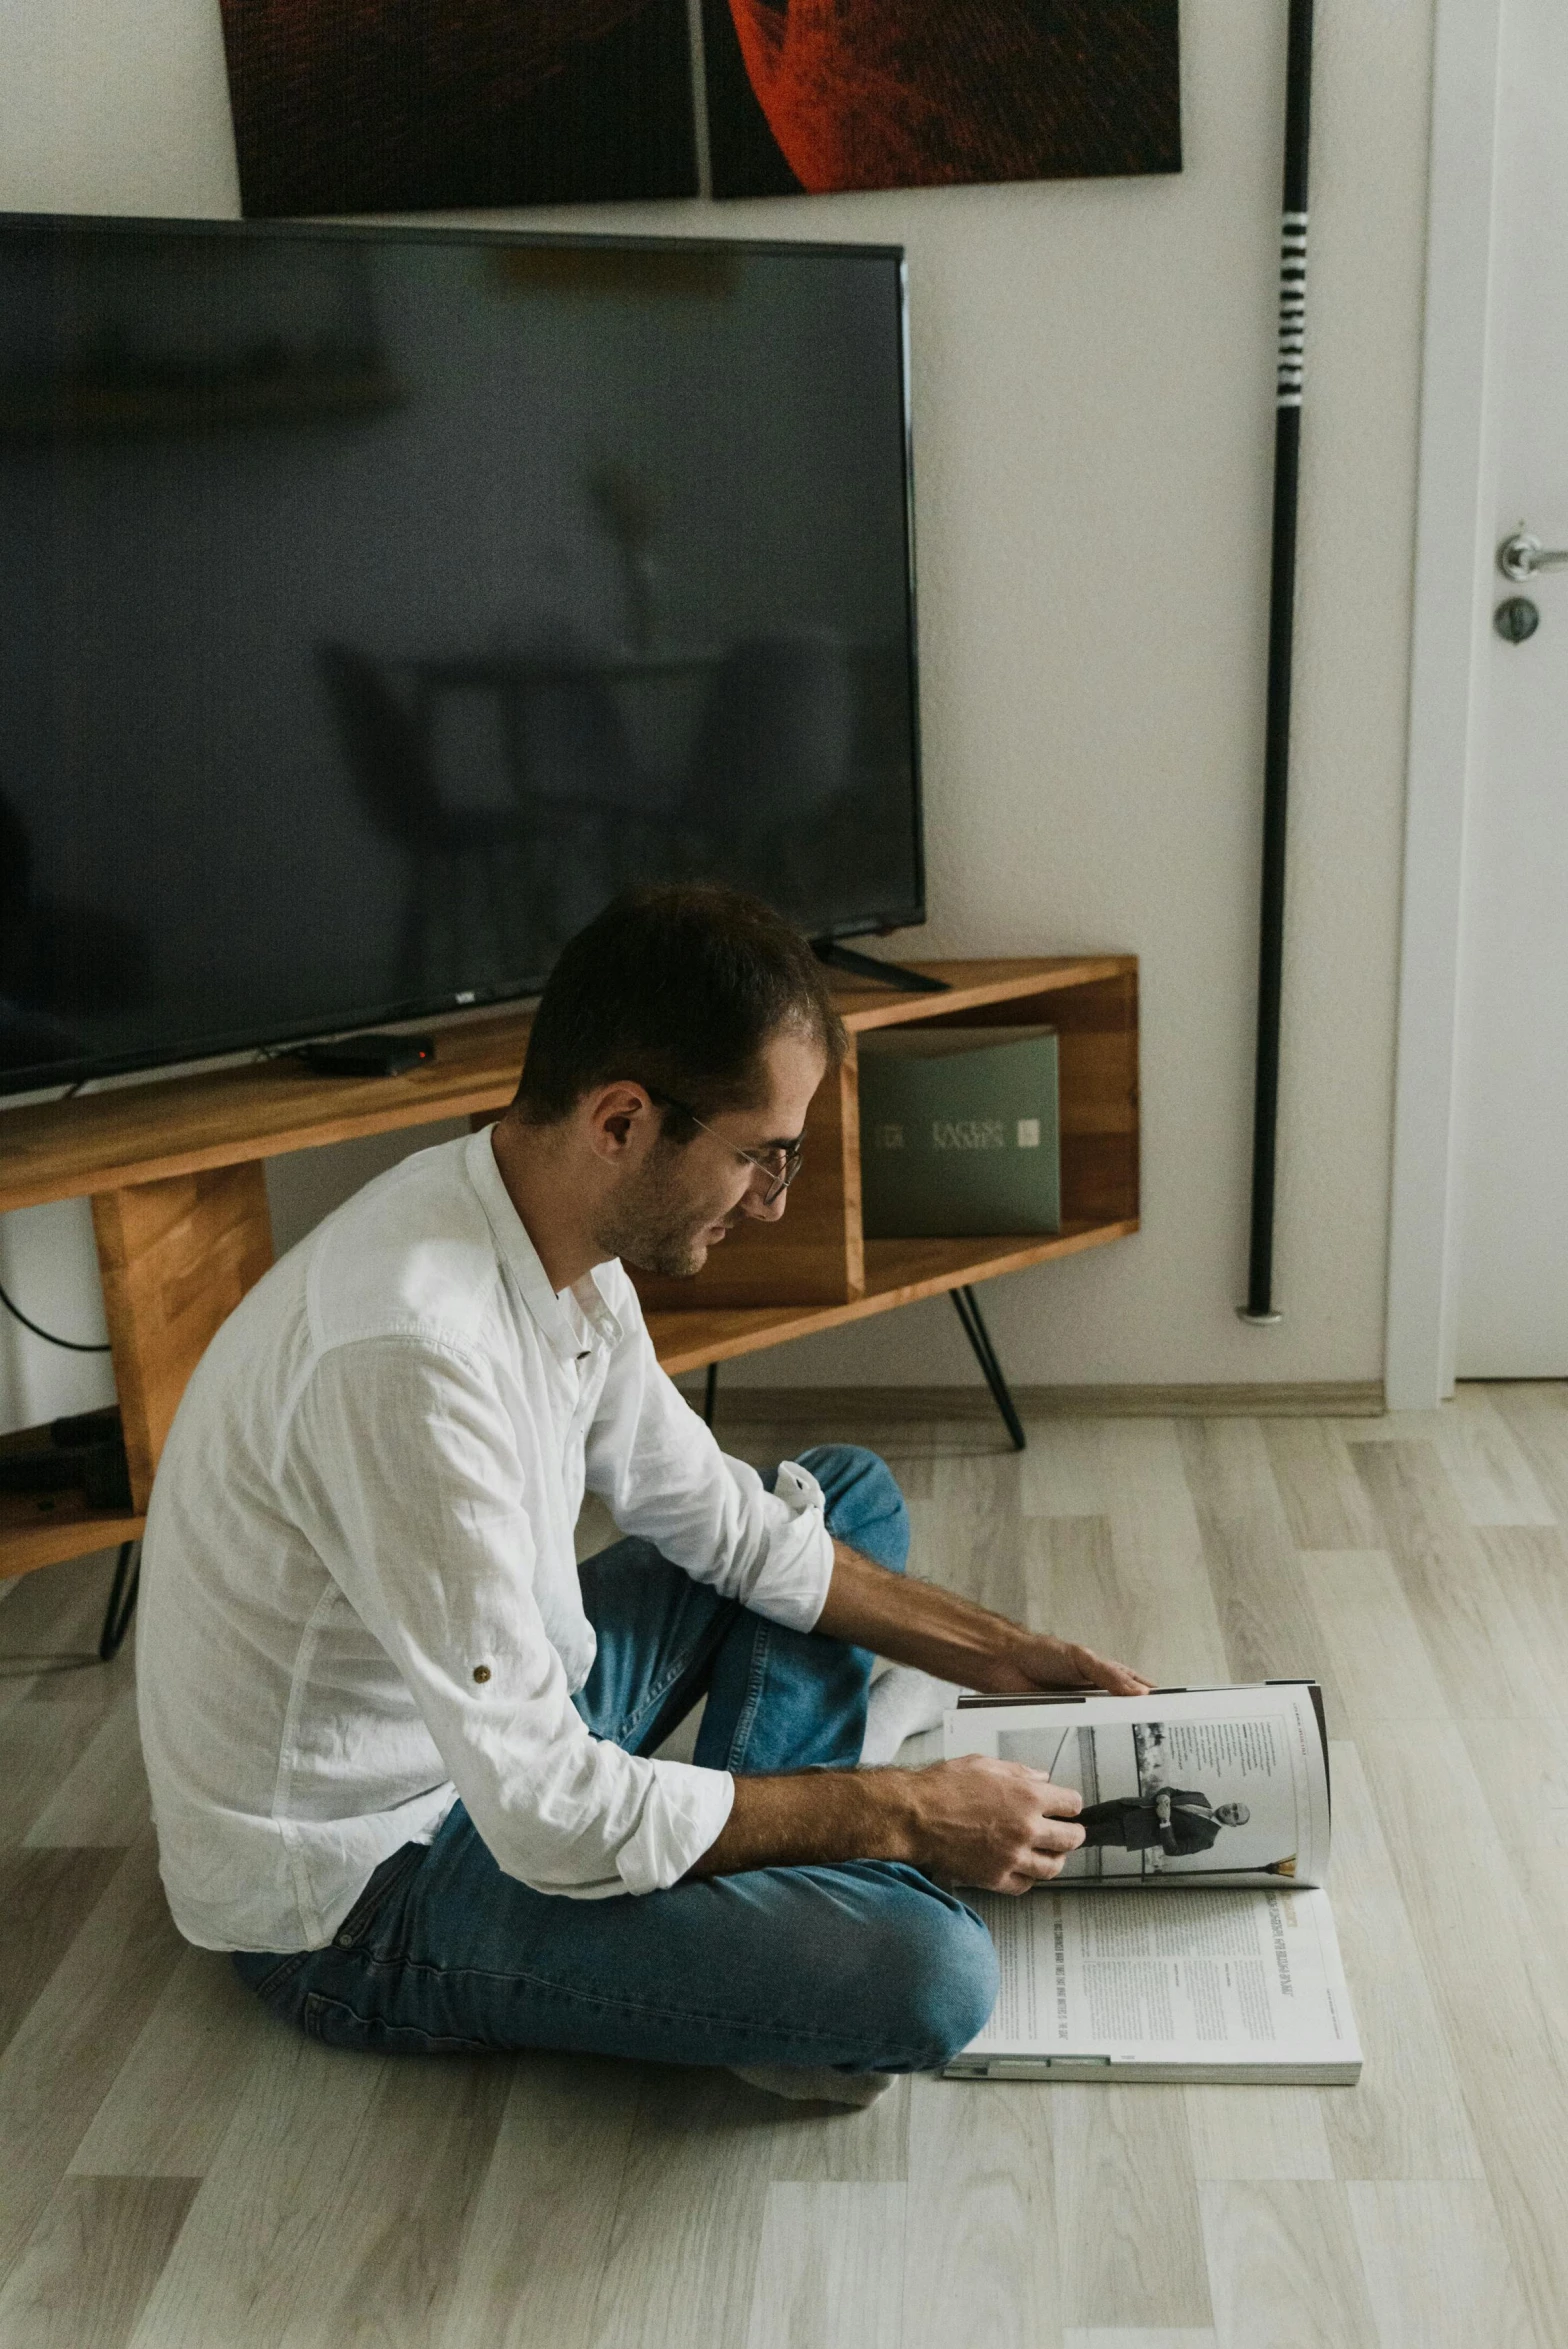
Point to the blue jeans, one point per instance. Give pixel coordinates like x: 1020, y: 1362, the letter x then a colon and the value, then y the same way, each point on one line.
x: 867, y: 1965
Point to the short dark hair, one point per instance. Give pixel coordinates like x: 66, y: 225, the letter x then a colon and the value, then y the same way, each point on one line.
x: 677, y: 989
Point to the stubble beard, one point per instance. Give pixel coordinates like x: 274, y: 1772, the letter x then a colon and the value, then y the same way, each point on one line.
x: 656, y: 1231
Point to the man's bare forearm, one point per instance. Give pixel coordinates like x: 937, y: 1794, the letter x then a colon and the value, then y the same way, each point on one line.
x: 817, y: 1816
x: 913, y: 1622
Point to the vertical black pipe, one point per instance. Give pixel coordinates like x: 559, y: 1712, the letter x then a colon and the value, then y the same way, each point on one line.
x: 1282, y: 607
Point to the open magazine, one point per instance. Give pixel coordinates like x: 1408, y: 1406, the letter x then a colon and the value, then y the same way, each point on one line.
x: 1190, y: 1936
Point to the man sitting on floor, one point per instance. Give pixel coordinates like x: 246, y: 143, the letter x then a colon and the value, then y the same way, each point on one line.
x: 400, y: 1743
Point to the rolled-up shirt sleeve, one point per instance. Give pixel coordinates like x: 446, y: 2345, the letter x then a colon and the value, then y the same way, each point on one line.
x: 662, y: 1475
x: 408, y: 1462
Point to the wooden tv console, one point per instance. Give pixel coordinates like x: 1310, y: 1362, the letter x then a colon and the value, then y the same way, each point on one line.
x: 175, y: 1173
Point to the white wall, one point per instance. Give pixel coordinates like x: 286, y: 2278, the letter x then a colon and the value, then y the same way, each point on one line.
x: 1094, y: 431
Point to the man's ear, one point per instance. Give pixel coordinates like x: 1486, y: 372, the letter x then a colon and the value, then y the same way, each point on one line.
x: 618, y: 1118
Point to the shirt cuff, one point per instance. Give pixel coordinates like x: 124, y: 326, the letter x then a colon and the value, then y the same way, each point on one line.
x: 792, y: 1587
x: 682, y: 1818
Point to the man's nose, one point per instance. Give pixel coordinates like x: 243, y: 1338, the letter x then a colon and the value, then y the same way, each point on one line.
x: 757, y: 1206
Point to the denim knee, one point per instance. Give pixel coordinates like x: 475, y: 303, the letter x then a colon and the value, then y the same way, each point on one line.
x: 939, y: 1978
x: 864, y: 1505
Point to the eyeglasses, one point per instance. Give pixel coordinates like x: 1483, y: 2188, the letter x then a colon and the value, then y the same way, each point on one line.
x: 781, y: 1164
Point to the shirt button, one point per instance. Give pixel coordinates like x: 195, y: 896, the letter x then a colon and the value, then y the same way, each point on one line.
x: 481, y: 1672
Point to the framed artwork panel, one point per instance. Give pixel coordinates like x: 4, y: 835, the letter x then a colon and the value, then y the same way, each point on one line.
x: 818, y: 95
x: 436, y: 105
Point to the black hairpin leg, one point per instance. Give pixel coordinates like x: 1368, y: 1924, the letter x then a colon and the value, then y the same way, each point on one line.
x: 122, y: 1601
x: 968, y: 1309
x: 710, y: 1394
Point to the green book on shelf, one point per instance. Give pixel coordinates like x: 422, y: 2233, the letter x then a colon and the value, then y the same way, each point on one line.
x: 959, y: 1133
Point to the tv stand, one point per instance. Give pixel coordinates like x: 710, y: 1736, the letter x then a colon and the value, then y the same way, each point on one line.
x: 866, y: 966
x: 175, y: 1172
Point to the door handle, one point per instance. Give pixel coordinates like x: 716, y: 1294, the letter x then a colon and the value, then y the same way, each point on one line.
x: 1523, y: 557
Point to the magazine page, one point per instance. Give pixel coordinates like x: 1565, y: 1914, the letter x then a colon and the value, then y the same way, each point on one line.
x: 1226, y: 1785
x: 1168, y: 1979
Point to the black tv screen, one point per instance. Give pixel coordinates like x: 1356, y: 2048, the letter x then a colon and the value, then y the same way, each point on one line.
x: 375, y: 604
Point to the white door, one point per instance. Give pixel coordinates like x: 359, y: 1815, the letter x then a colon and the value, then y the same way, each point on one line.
x: 1512, y: 1125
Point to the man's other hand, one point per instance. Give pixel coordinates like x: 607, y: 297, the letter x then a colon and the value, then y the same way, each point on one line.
x: 1035, y: 1660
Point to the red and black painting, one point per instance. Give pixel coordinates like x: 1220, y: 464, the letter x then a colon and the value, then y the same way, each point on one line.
x: 430, y: 105
x: 825, y: 94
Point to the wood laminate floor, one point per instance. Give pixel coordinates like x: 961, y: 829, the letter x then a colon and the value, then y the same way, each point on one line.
x: 178, y: 2172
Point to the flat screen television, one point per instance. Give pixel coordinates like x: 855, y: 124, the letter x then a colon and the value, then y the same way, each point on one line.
x: 375, y: 603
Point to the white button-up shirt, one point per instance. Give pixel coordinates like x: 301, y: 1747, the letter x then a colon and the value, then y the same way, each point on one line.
x: 359, y: 1590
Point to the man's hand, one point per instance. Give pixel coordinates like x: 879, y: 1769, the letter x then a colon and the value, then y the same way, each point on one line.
x: 996, y: 1825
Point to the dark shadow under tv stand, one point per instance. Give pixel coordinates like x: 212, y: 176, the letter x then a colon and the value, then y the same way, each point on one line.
x: 866, y: 966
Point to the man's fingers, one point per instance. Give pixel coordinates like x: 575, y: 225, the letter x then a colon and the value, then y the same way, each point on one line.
x: 1118, y: 1679
x: 1057, y: 1835
x: 1039, y: 1867
x: 1060, y: 1802
x: 1063, y: 1663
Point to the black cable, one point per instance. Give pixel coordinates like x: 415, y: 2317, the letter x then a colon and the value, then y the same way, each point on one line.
x: 71, y: 1345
